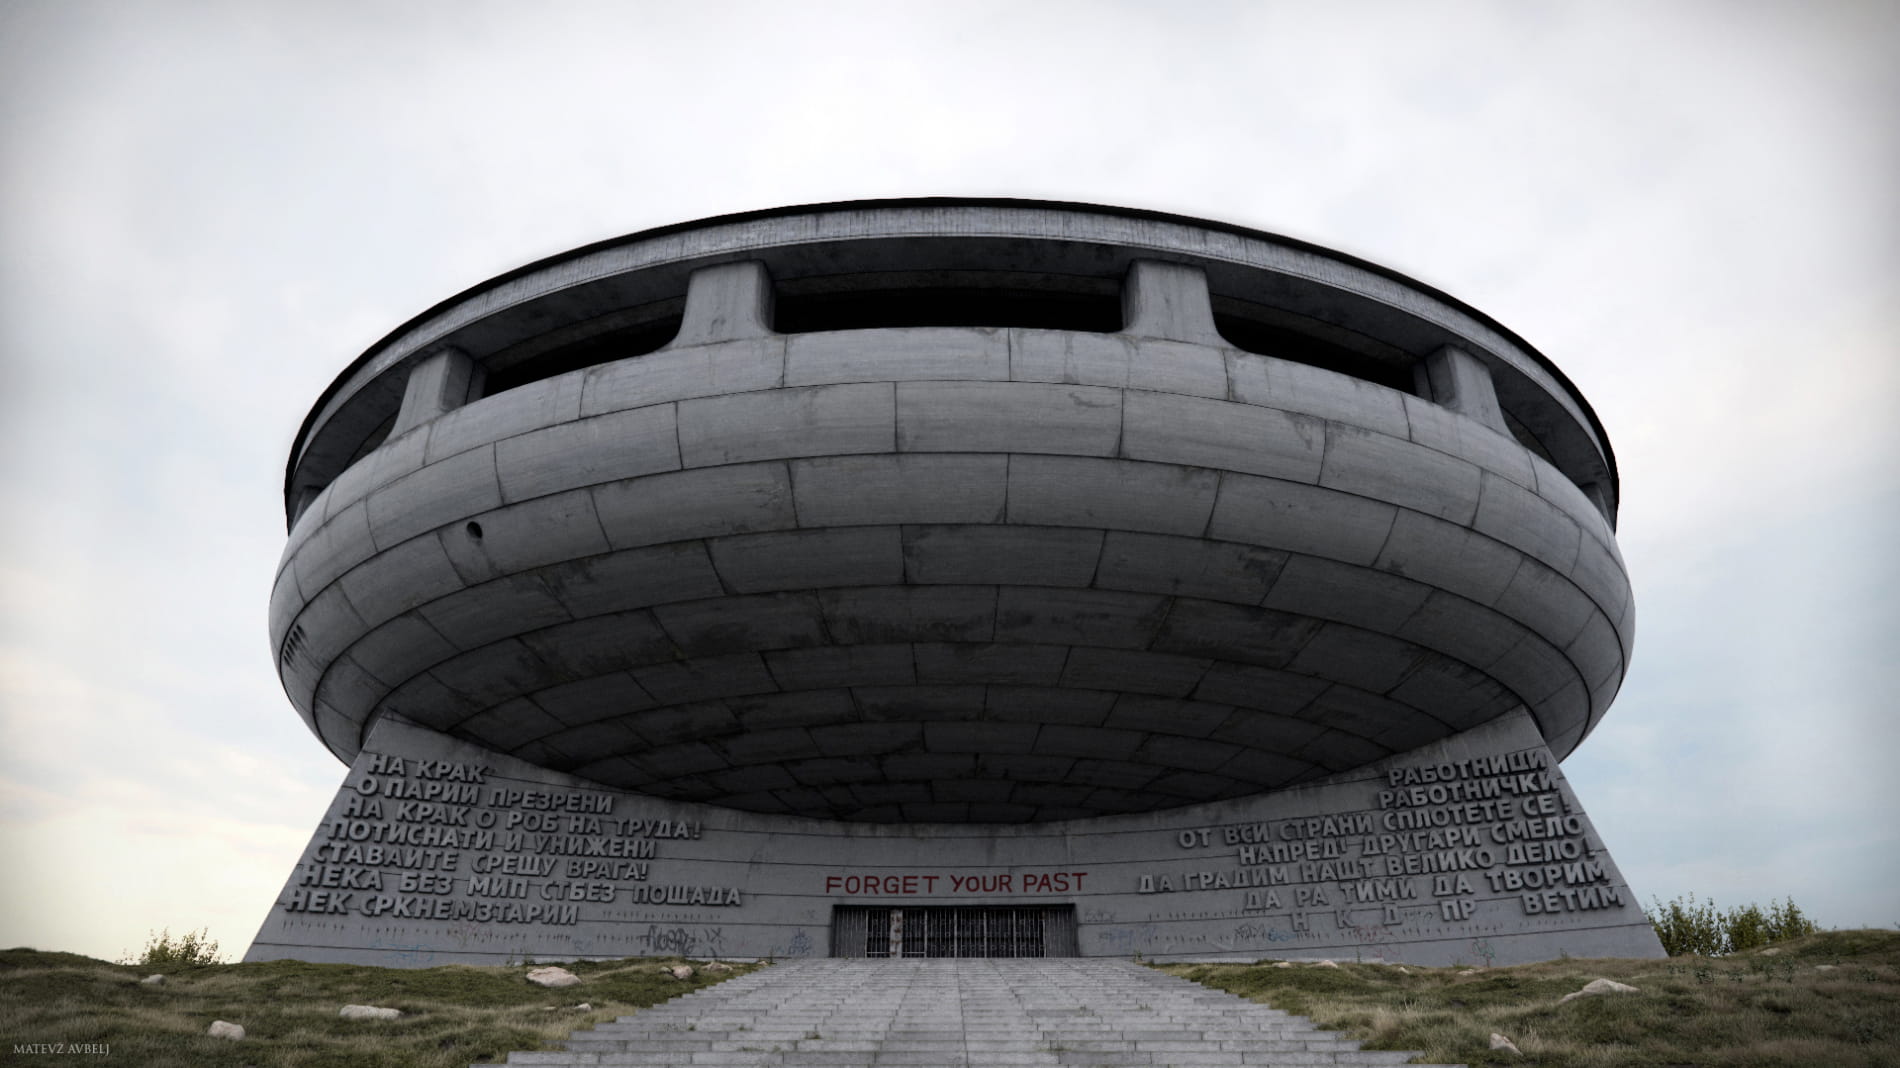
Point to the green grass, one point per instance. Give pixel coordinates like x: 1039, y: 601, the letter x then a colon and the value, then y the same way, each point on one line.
x: 1756, y: 1009
x: 452, y: 1016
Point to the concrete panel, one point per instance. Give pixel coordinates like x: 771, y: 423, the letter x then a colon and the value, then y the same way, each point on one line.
x: 523, y: 536
x: 1558, y: 489
x: 425, y: 700
x: 908, y: 703
x: 1460, y: 382
x: 767, y: 711
x: 401, y: 648
x: 1101, y: 618
x: 1192, y: 567
x: 326, y: 627
x: 684, y: 374
x: 903, y: 488
x: 1597, y: 652
x: 1007, y: 417
x: 1093, y: 743
x: 835, y: 666
x: 400, y: 579
x: 1223, y: 435
x: 633, y: 578
x: 783, y: 744
x: 591, y: 742
x: 1338, y: 750
x: 1448, y: 432
x: 936, y: 353
x: 1257, y: 688
x: 867, y: 739
x: 1127, y: 671
x: 609, y: 696
x: 1547, y: 603
x: 1449, y: 557
x: 1298, y: 387
x: 493, y: 674
x: 1010, y: 663
x: 438, y: 382
x: 910, y: 613
x: 984, y: 739
x: 1118, y: 361
x: 447, y: 492
x: 1327, y: 589
x: 1038, y: 704
x: 546, y: 403
x: 1533, y: 671
x: 1456, y: 627
x: 1454, y: 692
x: 1300, y: 518
x: 1013, y: 767
x: 1522, y: 519
x: 784, y: 423
x: 809, y: 559
x: 333, y: 548
x: 1269, y: 734
x: 682, y: 724
x: 397, y: 456
x: 696, y: 504
x: 600, y: 645
x: 1119, y: 495
x: 509, y: 725
x: 1372, y: 661
x: 973, y: 555
x: 640, y: 441
x: 1600, y: 575
x: 1392, y: 469
x: 1194, y: 719
x: 1236, y: 633
x: 494, y: 610
x: 705, y: 679
x: 740, y: 624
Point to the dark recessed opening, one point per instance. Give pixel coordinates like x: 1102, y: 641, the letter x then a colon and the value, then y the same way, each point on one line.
x: 872, y: 309
x: 603, y: 348
x: 1264, y: 339
x: 474, y: 530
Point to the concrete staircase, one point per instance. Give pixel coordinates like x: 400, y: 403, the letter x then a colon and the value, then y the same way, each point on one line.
x: 970, y: 1013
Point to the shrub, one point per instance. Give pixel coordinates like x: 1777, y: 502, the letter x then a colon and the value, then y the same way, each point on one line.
x: 192, y: 947
x: 1699, y: 929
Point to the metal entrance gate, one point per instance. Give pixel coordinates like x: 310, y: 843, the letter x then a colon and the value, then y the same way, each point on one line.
x: 953, y: 931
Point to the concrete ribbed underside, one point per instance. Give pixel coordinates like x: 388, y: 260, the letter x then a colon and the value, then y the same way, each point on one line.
x: 951, y: 574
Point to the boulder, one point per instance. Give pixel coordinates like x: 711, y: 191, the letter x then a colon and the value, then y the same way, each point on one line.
x: 717, y: 968
x: 1500, y: 1042
x: 583, y: 1007
x: 553, y: 977
x: 1324, y: 964
x: 1283, y: 964
x: 221, y: 1029
x: 367, y: 1012
x: 1599, y: 986
x: 152, y: 980
x: 681, y: 971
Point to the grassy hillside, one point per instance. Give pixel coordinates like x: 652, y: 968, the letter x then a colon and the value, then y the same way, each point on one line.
x: 1829, y: 999
x: 452, y: 1016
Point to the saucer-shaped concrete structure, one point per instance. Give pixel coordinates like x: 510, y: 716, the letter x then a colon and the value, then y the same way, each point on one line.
x: 951, y: 512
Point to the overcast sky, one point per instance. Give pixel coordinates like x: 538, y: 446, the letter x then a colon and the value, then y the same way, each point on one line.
x: 208, y: 209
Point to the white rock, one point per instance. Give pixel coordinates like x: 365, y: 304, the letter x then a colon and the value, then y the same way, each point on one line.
x: 681, y: 971
x: 1325, y: 964
x: 220, y: 1029
x: 718, y: 966
x: 1824, y: 967
x: 1770, y: 952
x: 553, y: 977
x: 1469, y: 971
x: 367, y: 1012
x: 1599, y: 986
x: 152, y: 980
x: 583, y: 1007
x: 1500, y: 1042
x: 1404, y: 971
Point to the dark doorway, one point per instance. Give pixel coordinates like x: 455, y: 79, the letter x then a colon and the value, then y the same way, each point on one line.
x: 953, y: 931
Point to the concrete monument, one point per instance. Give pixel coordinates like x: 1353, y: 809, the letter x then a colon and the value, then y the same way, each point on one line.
x: 952, y: 577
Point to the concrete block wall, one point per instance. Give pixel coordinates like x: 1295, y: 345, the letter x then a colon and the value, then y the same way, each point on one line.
x: 1028, y: 524
x: 1471, y: 850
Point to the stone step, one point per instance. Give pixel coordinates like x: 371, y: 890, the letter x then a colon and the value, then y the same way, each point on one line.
x: 973, y: 1013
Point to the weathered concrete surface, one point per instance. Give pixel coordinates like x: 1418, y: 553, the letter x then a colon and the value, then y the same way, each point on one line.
x: 1471, y: 849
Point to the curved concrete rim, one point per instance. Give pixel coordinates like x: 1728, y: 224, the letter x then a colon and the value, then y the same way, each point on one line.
x: 323, y: 404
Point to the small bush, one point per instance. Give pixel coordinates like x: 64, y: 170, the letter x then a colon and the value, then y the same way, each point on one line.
x: 190, y: 948
x: 1694, y: 928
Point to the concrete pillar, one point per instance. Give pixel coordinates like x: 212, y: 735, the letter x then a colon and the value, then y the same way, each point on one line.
x: 730, y: 302
x: 1460, y: 381
x: 438, y: 384
x: 1168, y: 300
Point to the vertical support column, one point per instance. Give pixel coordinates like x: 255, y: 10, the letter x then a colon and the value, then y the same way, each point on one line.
x: 729, y: 302
x: 438, y: 384
x: 1168, y: 300
x: 1460, y: 381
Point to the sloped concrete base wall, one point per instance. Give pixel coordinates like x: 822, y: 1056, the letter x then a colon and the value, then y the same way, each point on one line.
x: 1473, y: 850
